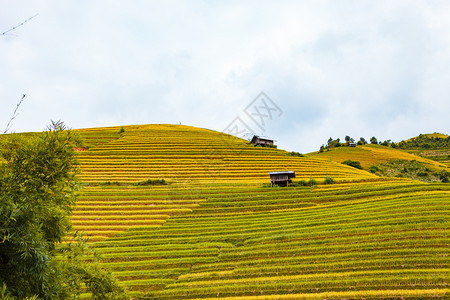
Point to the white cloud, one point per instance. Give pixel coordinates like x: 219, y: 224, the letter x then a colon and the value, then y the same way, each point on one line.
x: 360, y: 68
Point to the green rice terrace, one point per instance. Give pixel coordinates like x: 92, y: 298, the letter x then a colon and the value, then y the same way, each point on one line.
x: 178, y: 212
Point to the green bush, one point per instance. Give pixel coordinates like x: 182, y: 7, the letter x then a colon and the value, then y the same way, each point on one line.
x: 374, y: 169
x: 38, y: 190
x: 353, y: 163
x: 329, y: 180
x: 151, y: 182
x: 293, y: 153
x: 302, y: 183
x: 312, y: 182
x: 444, y: 176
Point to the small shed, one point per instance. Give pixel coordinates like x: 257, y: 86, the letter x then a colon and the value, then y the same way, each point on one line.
x: 257, y: 140
x: 352, y: 144
x: 281, y: 178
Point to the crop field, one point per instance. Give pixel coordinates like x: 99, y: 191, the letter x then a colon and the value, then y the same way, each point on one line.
x: 369, y: 155
x: 217, y: 230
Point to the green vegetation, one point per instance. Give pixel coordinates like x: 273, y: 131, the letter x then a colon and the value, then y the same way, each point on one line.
x: 434, y: 146
x: 151, y: 182
x: 374, y: 169
x: 218, y: 231
x: 293, y: 153
x: 353, y: 163
x: 426, y: 141
x: 329, y: 180
x: 37, y: 193
x: 375, y: 237
x: 312, y: 182
x: 410, y: 169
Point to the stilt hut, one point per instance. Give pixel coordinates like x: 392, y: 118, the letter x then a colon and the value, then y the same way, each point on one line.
x: 257, y: 140
x: 281, y: 178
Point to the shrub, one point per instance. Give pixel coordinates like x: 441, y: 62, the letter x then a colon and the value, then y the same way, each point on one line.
x: 122, y: 130
x: 353, y: 163
x: 312, y: 182
x: 293, y: 153
x: 302, y: 183
x: 329, y: 180
x: 108, y: 183
x: 151, y: 182
x: 444, y: 176
x: 374, y: 169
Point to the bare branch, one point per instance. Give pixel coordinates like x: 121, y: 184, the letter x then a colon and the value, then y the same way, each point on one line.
x: 14, y: 115
x: 17, y: 26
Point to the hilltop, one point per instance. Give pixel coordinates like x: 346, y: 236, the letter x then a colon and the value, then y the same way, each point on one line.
x: 182, y: 212
x: 435, y: 146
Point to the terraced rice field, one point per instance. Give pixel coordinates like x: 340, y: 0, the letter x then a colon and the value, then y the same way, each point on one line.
x: 216, y: 231
x: 369, y: 155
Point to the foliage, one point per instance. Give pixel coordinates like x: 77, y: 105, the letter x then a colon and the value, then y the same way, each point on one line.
x: 312, y: 182
x: 38, y: 190
x: 293, y: 153
x: 444, y: 176
x: 329, y: 180
x: 410, y: 169
x: 373, y: 140
x: 374, y: 169
x: 362, y: 141
x: 426, y: 141
x: 353, y: 163
x: 152, y: 182
x: 122, y: 130
x: 227, y: 236
x: 386, y: 143
x: 302, y: 183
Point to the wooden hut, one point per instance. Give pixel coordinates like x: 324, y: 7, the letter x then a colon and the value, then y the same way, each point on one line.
x: 257, y: 140
x: 281, y: 178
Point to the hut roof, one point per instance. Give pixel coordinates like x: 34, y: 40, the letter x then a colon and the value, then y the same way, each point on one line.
x: 255, y: 137
x: 290, y: 173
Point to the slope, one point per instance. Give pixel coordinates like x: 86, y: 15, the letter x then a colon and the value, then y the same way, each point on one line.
x: 369, y: 155
x: 216, y: 231
x: 435, y: 146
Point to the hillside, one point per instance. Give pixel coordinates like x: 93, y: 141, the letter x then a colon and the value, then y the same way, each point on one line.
x: 216, y: 230
x: 369, y: 155
x: 435, y: 146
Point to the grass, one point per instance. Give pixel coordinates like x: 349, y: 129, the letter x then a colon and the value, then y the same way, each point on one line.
x: 369, y: 155
x: 217, y: 231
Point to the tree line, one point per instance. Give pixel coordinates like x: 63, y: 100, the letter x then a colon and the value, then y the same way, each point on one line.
x: 334, y: 143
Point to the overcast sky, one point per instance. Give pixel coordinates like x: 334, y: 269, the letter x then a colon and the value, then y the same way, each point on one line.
x: 326, y: 68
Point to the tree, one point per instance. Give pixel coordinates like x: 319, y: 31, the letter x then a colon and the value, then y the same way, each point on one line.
x: 362, y: 141
x: 353, y: 163
x: 38, y: 188
x: 349, y: 139
x: 373, y: 140
x: 386, y: 143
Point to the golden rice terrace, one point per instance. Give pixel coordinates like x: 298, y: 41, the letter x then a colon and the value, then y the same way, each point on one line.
x: 218, y: 230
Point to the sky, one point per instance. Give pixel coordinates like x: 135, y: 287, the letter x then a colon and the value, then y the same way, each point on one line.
x: 299, y: 72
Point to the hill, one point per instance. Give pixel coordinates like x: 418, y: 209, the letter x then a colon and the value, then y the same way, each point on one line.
x: 386, y: 161
x: 435, y: 146
x: 213, y: 228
